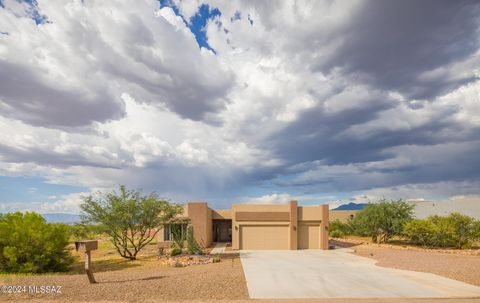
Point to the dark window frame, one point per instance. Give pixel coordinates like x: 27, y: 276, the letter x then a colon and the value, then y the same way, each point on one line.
x: 167, y: 232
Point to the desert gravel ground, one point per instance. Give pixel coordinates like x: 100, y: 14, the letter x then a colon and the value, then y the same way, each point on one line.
x: 147, y: 281
x: 439, y: 300
x: 461, y: 265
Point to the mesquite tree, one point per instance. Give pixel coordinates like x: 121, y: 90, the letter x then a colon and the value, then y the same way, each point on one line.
x: 130, y: 219
x: 383, y: 220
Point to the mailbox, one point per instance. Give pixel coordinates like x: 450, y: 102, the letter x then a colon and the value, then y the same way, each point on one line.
x: 86, y: 245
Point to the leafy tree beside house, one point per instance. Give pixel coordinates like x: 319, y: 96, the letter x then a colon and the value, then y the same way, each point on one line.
x: 383, y: 220
x: 130, y: 219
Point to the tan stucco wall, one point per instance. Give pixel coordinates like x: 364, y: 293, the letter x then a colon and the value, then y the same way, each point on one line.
x: 221, y: 214
x: 316, y: 217
x: 161, y: 240
x: 260, y: 207
x: 293, y: 225
x: 342, y: 215
x: 309, y: 213
x: 324, y: 226
x: 209, y: 228
x: 201, y: 219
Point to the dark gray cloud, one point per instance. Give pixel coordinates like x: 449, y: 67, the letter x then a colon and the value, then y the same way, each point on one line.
x: 392, y: 44
x: 420, y: 49
x: 319, y: 156
x: 71, y: 155
x: 28, y: 97
x: 408, y: 165
x: 314, y: 136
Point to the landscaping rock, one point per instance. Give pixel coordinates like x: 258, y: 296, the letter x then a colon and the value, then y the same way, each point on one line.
x: 186, y: 260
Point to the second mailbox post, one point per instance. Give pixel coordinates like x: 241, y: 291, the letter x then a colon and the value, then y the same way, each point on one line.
x: 87, y: 246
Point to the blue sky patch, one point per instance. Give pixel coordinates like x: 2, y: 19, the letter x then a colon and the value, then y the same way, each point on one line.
x: 197, y: 23
x: 33, y: 189
x: 33, y: 11
x: 236, y: 16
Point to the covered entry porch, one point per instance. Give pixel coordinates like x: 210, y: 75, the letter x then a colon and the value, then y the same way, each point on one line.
x: 222, y: 230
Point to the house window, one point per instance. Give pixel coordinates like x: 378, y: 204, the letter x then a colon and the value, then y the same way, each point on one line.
x: 167, y: 231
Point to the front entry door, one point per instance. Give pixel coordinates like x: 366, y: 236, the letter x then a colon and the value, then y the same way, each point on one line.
x: 222, y: 231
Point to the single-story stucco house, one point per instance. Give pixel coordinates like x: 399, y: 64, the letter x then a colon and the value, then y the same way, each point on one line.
x: 256, y: 226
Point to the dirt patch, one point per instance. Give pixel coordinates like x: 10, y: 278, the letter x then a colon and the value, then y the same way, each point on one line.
x: 461, y: 265
x: 146, y: 281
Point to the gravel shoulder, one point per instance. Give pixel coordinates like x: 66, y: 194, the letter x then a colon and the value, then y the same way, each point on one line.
x: 460, y: 265
x: 144, y: 281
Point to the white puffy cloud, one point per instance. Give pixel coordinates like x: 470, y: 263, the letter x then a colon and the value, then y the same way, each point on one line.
x: 283, y: 198
x: 270, y: 199
x: 69, y: 203
x: 72, y: 70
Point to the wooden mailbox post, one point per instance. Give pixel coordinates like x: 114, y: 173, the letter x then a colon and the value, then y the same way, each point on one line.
x: 87, y: 246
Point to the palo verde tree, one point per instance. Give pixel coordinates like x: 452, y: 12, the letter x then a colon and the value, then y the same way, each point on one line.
x: 131, y: 219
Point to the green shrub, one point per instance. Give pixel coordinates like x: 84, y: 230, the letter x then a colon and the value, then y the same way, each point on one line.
x: 175, y: 252
x: 475, y: 230
x: 192, y: 245
x: 338, y: 229
x: 179, y: 236
x: 179, y: 264
x: 216, y: 259
x: 422, y: 232
x: 454, y: 230
x: 30, y: 245
x: 383, y: 220
x: 337, y: 234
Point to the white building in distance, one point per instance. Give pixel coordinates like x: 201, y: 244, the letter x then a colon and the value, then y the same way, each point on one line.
x: 466, y: 205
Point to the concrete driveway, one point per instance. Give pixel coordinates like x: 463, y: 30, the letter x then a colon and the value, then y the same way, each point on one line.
x: 339, y: 274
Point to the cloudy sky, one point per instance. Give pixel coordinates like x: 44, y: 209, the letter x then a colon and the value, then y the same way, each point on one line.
x: 238, y: 101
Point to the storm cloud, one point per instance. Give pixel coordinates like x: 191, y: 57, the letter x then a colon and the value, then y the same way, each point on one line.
x: 409, y: 46
x: 290, y: 98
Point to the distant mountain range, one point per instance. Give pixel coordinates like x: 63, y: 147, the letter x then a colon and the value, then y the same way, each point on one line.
x: 351, y: 206
x: 62, y: 218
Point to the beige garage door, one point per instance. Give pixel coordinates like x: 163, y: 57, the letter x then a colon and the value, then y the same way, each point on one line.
x: 308, y: 235
x: 264, y: 237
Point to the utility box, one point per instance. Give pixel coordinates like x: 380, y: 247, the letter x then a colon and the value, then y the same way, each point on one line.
x: 86, y: 245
